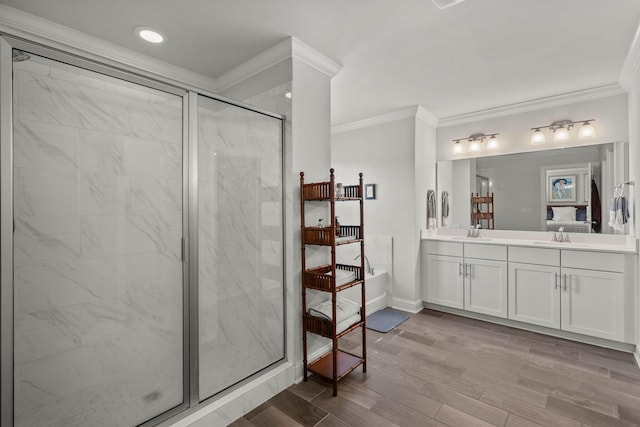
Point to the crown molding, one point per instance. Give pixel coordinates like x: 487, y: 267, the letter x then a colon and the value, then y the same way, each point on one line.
x: 314, y: 58
x: 534, y: 105
x: 418, y: 112
x: 630, y: 72
x: 426, y: 116
x: 289, y: 48
x: 34, y: 29
x: 257, y: 64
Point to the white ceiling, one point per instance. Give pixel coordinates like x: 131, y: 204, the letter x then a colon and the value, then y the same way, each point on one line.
x: 395, y: 53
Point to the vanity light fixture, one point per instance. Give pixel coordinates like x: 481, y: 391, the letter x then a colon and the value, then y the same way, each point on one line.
x: 492, y: 144
x: 150, y: 34
x: 475, y: 142
x: 561, y: 131
x: 537, y: 137
x: 587, y: 131
x: 457, y: 147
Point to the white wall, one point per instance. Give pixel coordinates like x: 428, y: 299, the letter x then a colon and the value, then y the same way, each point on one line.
x: 398, y: 157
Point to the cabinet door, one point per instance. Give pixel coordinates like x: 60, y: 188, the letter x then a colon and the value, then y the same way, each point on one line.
x: 593, y: 303
x: 534, y: 294
x: 444, y: 285
x: 485, y: 287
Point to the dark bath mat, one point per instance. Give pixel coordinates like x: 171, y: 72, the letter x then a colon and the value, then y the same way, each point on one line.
x: 385, y: 320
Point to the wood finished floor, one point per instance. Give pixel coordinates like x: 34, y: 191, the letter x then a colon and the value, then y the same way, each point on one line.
x: 438, y: 369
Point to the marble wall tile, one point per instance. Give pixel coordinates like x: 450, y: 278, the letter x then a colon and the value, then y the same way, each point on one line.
x: 152, y: 158
x: 44, y: 146
x: 116, y: 235
x: 39, y: 192
x: 157, y: 121
x: 271, y: 252
x: 271, y: 213
x: 156, y: 196
x: 45, y: 239
x: 101, y: 152
x: 48, y: 100
x: 102, y: 194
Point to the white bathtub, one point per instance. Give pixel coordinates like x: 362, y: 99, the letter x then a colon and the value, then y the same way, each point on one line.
x: 377, y: 287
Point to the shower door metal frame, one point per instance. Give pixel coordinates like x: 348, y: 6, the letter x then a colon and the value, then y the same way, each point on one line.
x: 6, y: 233
x: 189, y: 94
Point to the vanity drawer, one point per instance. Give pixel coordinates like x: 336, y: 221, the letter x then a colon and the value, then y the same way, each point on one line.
x: 444, y: 248
x: 603, y: 261
x: 540, y: 256
x: 480, y: 251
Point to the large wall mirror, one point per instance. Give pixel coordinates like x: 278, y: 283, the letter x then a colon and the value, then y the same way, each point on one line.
x: 540, y: 190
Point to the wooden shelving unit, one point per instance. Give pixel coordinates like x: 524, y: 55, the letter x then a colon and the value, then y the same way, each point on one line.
x: 336, y: 363
x: 482, y: 210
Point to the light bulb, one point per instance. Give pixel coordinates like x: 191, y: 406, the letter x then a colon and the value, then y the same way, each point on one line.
x: 150, y: 34
x: 474, y: 146
x: 493, y: 143
x: 587, y: 131
x: 457, y: 148
x: 561, y: 135
x: 538, y: 137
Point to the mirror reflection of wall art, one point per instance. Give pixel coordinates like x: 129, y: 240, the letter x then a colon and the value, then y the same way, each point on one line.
x: 370, y: 191
x: 562, y: 188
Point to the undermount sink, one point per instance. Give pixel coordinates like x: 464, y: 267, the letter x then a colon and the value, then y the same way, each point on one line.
x: 566, y: 244
x: 473, y: 239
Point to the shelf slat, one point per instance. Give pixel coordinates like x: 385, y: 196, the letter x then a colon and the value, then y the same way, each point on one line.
x: 324, y: 366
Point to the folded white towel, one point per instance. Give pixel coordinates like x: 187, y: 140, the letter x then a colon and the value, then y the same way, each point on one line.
x: 344, y: 309
x: 343, y: 276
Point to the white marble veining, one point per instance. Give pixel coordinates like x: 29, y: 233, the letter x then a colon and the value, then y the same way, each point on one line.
x: 98, y: 308
x: 240, y: 242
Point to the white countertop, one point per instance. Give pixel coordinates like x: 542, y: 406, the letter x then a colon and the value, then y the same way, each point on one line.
x: 538, y: 239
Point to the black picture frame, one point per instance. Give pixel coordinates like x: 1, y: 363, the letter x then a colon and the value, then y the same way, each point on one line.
x: 370, y: 191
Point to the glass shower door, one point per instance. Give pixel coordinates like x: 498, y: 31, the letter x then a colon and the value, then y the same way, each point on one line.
x: 98, y: 285
x: 240, y: 241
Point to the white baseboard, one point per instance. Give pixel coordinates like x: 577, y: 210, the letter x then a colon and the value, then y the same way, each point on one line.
x: 376, y: 304
x: 406, y: 305
x: 636, y: 354
x: 232, y: 406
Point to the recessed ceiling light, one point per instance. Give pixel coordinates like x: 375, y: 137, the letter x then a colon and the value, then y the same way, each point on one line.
x: 150, y: 34
x: 288, y: 95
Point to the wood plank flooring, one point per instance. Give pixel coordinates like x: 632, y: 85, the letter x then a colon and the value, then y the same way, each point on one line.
x: 439, y: 369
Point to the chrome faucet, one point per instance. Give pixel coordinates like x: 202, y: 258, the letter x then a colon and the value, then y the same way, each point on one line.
x: 367, y: 266
x: 560, y: 236
x: 474, y: 231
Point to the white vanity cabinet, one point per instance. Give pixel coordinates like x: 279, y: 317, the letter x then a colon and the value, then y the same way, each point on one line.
x: 466, y: 276
x: 485, y: 279
x: 575, y: 291
x: 534, y: 286
x: 593, y: 299
x: 443, y: 278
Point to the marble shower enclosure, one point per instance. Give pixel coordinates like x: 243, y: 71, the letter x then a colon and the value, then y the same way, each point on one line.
x: 98, y: 275
x: 98, y: 336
